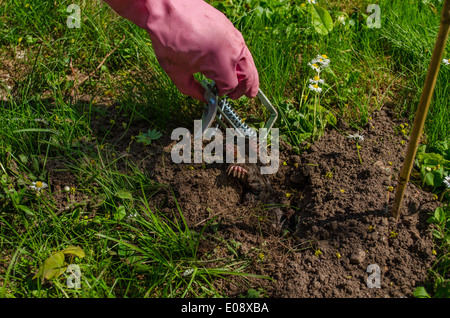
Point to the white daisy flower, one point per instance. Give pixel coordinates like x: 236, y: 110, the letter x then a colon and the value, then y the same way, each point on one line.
x: 316, y: 80
x: 132, y: 217
x: 20, y: 54
x: 446, y: 61
x: 356, y: 137
x: 319, y: 63
x: 40, y: 120
x: 322, y: 60
x: 311, y: 1
x: 188, y: 272
x: 38, y: 185
x: 447, y: 181
x: 315, y: 88
x: 314, y: 66
x: 341, y: 19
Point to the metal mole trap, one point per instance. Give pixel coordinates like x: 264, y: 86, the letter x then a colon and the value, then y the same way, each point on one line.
x: 220, y: 109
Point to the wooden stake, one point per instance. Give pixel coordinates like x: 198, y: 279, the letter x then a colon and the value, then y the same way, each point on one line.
x: 422, y: 109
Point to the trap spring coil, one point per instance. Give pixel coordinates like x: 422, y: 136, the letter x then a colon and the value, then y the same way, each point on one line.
x: 223, y: 106
x: 234, y: 118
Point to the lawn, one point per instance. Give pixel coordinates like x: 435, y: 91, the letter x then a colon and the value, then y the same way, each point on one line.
x: 85, y: 113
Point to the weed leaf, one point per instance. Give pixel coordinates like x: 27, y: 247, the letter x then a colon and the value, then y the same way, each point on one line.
x: 146, y: 138
x: 120, y: 213
x: 53, y: 266
x: 321, y: 20
x: 75, y: 250
x: 420, y: 292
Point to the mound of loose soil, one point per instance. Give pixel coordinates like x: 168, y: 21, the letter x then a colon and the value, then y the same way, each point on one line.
x: 337, y: 214
x: 335, y: 203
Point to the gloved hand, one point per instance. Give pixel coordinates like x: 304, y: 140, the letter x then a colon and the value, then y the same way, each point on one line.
x: 190, y: 36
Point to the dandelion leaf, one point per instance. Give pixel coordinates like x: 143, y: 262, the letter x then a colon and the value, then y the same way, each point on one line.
x: 429, y: 179
x: 74, y: 250
x: 120, y: 213
x: 420, y: 292
x: 253, y: 293
x: 53, y: 267
x: 23, y: 158
x: 321, y: 19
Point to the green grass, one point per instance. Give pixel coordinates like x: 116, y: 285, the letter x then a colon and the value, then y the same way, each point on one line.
x: 411, y: 48
x: 438, y: 284
x: 132, y: 249
x: 358, y: 81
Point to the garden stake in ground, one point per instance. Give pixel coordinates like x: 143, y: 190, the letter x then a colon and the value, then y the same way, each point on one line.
x: 422, y: 110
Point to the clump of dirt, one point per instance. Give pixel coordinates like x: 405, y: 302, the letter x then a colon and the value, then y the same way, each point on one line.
x: 335, y: 202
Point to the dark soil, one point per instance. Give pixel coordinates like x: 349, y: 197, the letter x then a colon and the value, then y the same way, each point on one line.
x: 336, y: 213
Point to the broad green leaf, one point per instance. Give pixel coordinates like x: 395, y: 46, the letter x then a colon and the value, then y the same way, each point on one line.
x: 430, y: 159
x: 52, y: 267
x: 439, y: 214
x: 429, y: 179
x: 75, y: 250
x: 321, y: 19
x: 259, y: 11
x: 123, y: 194
x: 420, y: 292
x: 253, y: 293
x: 23, y: 159
x: 438, y: 177
x: 120, y: 213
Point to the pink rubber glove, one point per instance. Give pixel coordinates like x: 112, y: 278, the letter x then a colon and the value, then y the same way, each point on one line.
x: 190, y: 36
